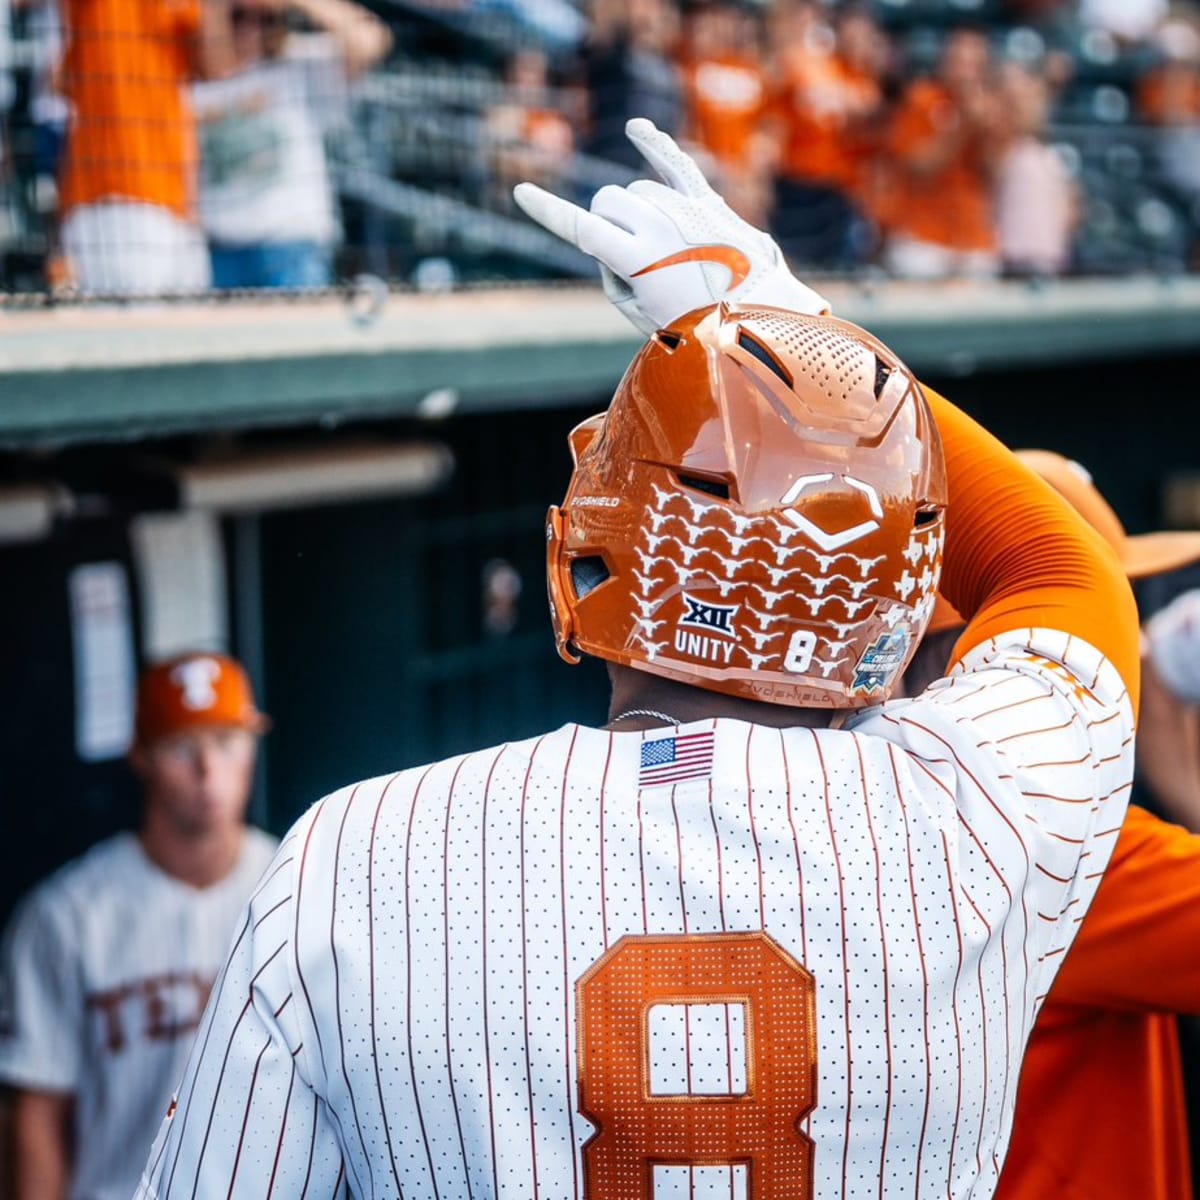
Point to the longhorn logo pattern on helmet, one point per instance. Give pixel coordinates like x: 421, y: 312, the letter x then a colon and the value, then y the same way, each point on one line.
x: 712, y: 528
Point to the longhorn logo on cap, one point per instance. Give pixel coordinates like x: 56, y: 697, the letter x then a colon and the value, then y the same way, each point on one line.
x: 195, y: 678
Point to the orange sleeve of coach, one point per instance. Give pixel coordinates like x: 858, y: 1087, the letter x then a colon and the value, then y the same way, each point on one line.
x: 1018, y: 556
x: 1139, y: 949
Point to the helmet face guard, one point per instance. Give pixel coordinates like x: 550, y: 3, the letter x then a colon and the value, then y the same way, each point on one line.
x: 760, y: 512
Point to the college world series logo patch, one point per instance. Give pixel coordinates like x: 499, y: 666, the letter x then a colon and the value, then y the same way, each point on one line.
x: 880, y: 662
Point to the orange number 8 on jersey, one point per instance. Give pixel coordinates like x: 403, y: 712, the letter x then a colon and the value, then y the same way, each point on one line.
x: 757, y: 1126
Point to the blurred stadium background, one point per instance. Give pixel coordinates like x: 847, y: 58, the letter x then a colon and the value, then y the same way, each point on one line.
x: 344, y: 482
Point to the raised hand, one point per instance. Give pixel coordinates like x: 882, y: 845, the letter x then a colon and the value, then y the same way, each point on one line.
x: 667, y: 248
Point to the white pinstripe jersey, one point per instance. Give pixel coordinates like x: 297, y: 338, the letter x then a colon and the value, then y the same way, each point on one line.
x: 414, y: 1007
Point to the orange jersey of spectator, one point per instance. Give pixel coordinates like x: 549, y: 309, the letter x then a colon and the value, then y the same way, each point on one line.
x: 126, y: 70
x: 726, y: 99
x: 950, y: 205
x: 822, y: 105
x: 1101, y: 1110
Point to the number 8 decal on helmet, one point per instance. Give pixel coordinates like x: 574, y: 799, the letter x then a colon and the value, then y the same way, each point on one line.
x: 800, y: 651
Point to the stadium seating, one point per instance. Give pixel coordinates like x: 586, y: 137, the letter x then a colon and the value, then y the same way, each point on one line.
x: 413, y: 168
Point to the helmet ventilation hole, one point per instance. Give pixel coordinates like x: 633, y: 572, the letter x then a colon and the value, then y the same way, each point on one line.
x: 882, y: 374
x: 754, y: 347
x: 587, y: 574
x: 711, y: 487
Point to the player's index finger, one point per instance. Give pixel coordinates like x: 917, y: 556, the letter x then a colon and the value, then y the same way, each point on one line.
x: 662, y: 152
x: 559, y: 216
x: 594, y: 235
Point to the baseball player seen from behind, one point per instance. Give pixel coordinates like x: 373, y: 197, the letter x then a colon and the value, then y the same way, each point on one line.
x: 763, y: 934
x: 106, y: 966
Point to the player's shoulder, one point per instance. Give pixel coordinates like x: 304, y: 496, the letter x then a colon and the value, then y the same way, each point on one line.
x: 1020, y: 683
x: 383, y: 798
x: 1031, y: 696
x: 1025, y: 664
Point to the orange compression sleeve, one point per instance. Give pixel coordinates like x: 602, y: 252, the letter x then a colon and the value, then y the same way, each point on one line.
x: 1018, y: 556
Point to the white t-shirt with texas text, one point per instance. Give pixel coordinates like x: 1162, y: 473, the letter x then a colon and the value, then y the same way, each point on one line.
x: 106, y: 968
x: 717, y: 960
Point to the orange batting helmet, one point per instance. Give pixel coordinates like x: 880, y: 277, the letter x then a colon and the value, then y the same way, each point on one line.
x: 195, y: 691
x: 760, y: 512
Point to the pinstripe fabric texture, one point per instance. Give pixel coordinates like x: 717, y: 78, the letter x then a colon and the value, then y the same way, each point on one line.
x: 398, y: 1015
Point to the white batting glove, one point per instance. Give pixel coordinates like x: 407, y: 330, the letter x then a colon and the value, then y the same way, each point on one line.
x: 667, y: 249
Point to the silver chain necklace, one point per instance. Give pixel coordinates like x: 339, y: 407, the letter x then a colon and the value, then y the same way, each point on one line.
x: 646, y: 712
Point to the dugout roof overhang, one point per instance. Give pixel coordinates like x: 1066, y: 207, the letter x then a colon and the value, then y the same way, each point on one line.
x: 79, y: 374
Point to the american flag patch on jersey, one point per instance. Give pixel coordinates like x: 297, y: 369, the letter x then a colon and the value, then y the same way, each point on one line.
x: 676, y: 759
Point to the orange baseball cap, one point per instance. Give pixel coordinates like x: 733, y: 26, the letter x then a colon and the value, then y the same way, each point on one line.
x: 195, y: 691
x: 1141, y: 554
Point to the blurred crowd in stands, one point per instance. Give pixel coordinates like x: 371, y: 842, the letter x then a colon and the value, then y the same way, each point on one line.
x: 159, y: 146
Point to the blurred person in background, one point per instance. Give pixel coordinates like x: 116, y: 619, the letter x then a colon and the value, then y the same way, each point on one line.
x: 127, y: 190
x: 1168, y: 777
x: 629, y: 69
x: 828, y: 103
x: 49, y: 114
x: 37, y: 24
x: 1128, y: 21
x: 557, y: 25
x: 266, y: 198
x: 1037, y: 203
x: 1168, y: 98
x: 48, y: 107
x: 7, y: 83
x: 1035, y: 12
x: 1103, y: 1071
x: 528, y: 136
x: 106, y: 966
x: 7, y: 87
x: 943, y: 146
x: 1056, y: 22
x: 1169, y: 751
x: 726, y: 85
